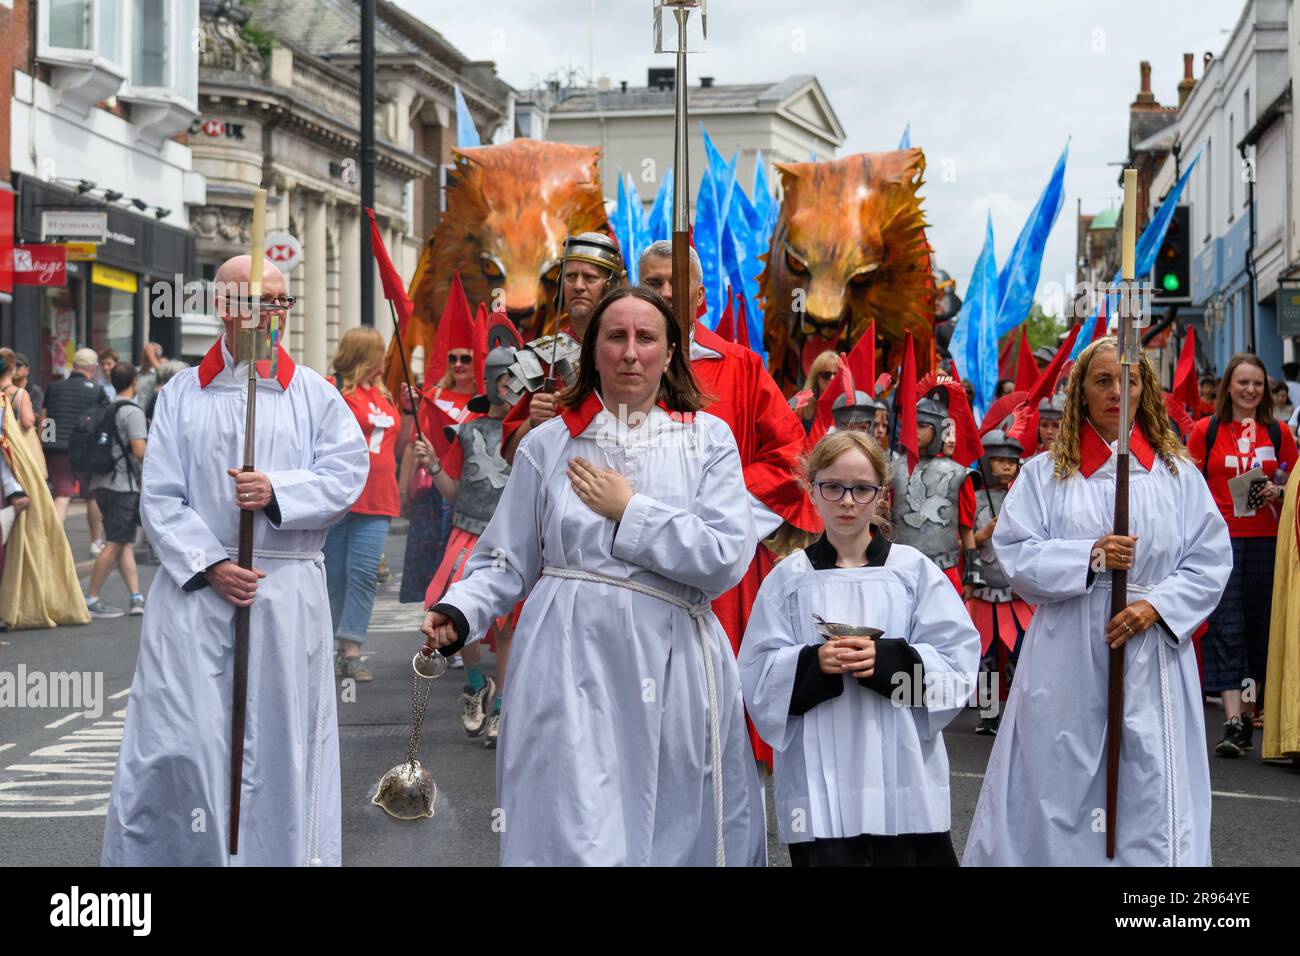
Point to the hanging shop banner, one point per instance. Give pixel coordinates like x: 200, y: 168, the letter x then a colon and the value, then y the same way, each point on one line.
x: 40, y: 265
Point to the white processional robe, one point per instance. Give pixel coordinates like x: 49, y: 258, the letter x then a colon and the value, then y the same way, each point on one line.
x: 170, y: 802
x: 1043, y: 801
x: 604, y: 749
x: 860, y: 762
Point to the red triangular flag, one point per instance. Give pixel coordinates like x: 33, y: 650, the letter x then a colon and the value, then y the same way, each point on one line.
x: 742, y: 322
x: 1026, y: 367
x: 725, y: 327
x: 1004, y: 358
x: 966, y: 437
x: 1044, y: 386
x: 1186, y: 388
x: 862, y: 357
x: 394, y: 289
x: 905, y: 405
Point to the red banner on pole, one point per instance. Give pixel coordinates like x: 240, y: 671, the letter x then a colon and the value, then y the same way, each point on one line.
x: 40, y: 264
x: 6, y: 241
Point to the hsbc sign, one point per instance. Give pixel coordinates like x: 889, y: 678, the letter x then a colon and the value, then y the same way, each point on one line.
x: 283, y: 250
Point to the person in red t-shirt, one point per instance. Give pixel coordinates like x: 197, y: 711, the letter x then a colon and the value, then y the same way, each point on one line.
x: 1235, y: 647
x: 354, y: 545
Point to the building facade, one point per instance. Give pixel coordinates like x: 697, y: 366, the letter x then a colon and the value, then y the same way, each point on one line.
x: 102, y: 94
x: 284, y: 114
x: 788, y: 121
x: 1243, y: 215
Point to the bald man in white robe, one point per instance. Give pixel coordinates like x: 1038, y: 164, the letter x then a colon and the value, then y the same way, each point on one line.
x: 170, y: 804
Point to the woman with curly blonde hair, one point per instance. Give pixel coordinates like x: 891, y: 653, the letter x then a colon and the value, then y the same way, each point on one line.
x: 1044, y: 796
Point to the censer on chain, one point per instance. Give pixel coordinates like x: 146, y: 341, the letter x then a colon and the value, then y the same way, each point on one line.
x: 407, y: 792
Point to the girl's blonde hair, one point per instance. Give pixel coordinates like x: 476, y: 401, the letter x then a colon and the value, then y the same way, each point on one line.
x: 358, y: 351
x: 828, y: 451
x: 1152, y: 416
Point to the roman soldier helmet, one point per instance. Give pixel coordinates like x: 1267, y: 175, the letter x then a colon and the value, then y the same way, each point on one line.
x: 1044, y: 353
x: 998, y: 444
x: 496, y: 364
x: 598, y: 249
x: 1052, y: 407
x: 932, y: 410
x: 863, y: 410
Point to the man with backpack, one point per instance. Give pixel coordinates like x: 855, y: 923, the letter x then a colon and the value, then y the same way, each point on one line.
x: 66, y: 401
x: 114, y: 455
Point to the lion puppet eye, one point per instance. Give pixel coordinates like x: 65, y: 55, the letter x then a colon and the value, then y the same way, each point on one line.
x: 795, y: 264
x: 492, y: 269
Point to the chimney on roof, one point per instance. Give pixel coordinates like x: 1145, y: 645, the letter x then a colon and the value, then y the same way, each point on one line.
x: 1206, y: 61
x: 706, y: 82
x: 661, y: 78
x: 1145, y: 97
x: 622, y: 86
x: 1188, y: 82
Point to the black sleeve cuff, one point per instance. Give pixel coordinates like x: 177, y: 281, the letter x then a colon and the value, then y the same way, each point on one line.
x: 811, y: 686
x: 895, y: 656
x: 273, y: 510
x: 459, y: 623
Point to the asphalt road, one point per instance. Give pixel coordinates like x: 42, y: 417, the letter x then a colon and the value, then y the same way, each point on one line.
x: 56, y: 764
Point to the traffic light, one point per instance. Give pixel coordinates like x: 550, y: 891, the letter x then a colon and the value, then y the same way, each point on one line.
x: 1172, y: 275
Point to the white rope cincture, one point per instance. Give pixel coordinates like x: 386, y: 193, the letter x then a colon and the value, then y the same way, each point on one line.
x: 318, y: 556
x: 699, y: 614
x: 1166, y: 723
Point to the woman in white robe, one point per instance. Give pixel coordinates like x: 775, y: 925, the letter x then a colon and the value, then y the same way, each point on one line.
x: 1044, y: 795
x: 861, y: 769
x: 623, y: 738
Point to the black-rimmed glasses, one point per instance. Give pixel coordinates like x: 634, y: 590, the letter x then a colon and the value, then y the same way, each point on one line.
x: 834, y: 491
x: 281, y: 303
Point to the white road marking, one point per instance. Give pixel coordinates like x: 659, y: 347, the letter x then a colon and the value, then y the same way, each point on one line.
x: 63, y: 720
x: 120, y: 693
x: 4, y: 747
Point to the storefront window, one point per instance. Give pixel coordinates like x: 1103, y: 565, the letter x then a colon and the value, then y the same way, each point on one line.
x: 59, y: 329
x: 112, y: 321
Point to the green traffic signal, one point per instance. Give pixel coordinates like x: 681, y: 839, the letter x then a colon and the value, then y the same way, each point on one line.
x: 1170, y: 282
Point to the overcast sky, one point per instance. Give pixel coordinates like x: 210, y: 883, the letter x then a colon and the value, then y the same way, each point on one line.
x: 992, y: 88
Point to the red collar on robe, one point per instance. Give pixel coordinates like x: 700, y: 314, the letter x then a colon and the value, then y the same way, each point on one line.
x: 577, y: 419
x: 215, y: 361
x: 1094, y: 452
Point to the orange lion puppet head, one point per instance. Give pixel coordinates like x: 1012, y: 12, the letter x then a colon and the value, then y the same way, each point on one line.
x: 849, y: 246
x: 509, y: 207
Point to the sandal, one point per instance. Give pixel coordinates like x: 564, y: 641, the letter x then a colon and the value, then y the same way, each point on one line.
x: 1257, y: 722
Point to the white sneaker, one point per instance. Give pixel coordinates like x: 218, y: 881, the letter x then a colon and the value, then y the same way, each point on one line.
x: 457, y: 663
x: 474, y: 707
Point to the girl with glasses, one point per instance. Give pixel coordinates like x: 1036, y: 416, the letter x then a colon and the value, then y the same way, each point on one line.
x: 855, y: 720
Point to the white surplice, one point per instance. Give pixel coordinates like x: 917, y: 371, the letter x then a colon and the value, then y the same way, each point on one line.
x: 1044, y: 795
x: 170, y: 802
x: 604, y: 749
x: 860, y: 763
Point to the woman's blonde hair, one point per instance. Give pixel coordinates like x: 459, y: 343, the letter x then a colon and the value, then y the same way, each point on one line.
x: 358, y: 351
x: 1152, y: 416
x: 827, y: 451
x: 828, y: 361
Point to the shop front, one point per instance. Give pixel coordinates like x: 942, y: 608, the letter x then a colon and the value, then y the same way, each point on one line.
x: 105, y: 296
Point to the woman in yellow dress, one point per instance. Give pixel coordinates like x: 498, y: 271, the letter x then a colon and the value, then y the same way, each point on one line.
x: 39, y: 586
x: 1282, y: 693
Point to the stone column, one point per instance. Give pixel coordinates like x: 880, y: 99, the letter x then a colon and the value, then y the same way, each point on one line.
x: 315, y: 261
x: 349, y: 268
